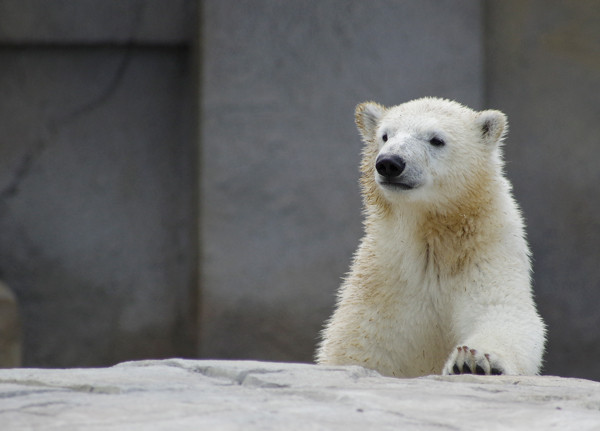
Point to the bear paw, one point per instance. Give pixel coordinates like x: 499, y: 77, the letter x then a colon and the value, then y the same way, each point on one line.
x: 465, y: 360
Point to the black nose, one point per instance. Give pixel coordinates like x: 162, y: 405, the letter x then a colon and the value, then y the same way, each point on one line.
x: 389, y: 166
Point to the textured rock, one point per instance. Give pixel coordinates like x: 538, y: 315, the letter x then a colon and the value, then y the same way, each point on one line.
x: 218, y: 395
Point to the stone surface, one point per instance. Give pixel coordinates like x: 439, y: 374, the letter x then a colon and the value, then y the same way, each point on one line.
x: 543, y: 71
x: 219, y: 395
x: 280, y: 210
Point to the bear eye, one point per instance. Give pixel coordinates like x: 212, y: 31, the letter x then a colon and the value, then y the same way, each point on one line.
x: 437, y: 142
x: 384, y: 137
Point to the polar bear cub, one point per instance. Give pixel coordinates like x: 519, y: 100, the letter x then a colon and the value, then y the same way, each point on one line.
x: 440, y: 282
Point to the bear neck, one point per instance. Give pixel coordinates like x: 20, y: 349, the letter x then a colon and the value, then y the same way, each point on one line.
x: 448, y: 236
x: 452, y: 238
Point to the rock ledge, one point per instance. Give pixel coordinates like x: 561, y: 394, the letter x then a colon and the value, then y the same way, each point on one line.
x: 179, y: 394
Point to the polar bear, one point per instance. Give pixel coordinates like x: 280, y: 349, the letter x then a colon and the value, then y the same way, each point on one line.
x: 440, y: 282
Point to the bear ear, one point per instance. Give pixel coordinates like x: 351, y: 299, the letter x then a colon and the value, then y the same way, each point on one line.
x: 493, y: 125
x: 367, y: 116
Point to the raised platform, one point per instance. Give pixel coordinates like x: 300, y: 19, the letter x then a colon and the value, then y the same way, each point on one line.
x: 196, y: 395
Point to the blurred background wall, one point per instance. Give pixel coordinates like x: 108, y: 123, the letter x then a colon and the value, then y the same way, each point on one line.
x: 98, y: 178
x: 180, y: 178
x: 280, y: 203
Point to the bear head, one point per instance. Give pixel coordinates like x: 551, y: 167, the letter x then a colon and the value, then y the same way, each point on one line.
x: 428, y: 151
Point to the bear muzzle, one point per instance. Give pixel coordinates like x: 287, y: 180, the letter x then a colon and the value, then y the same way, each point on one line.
x: 390, y: 169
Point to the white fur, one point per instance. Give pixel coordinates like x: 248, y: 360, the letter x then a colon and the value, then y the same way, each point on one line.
x: 441, y: 278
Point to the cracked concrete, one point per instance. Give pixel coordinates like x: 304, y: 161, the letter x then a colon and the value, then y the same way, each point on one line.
x: 97, y: 203
x: 249, y: 395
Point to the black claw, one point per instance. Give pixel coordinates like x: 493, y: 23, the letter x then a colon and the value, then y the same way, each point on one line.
x: 479, y: 370
x: 496, y: 372
x: 455, y: 369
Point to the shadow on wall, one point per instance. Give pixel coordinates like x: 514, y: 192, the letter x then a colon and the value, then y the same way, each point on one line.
x: 543, y: 71
x: 10, y: 329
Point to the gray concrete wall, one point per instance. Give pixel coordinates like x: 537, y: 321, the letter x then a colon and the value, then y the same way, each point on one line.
x: 97, y: 178
x: 543, y: 70
x: 98, y: 169
x: 281, y: 211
